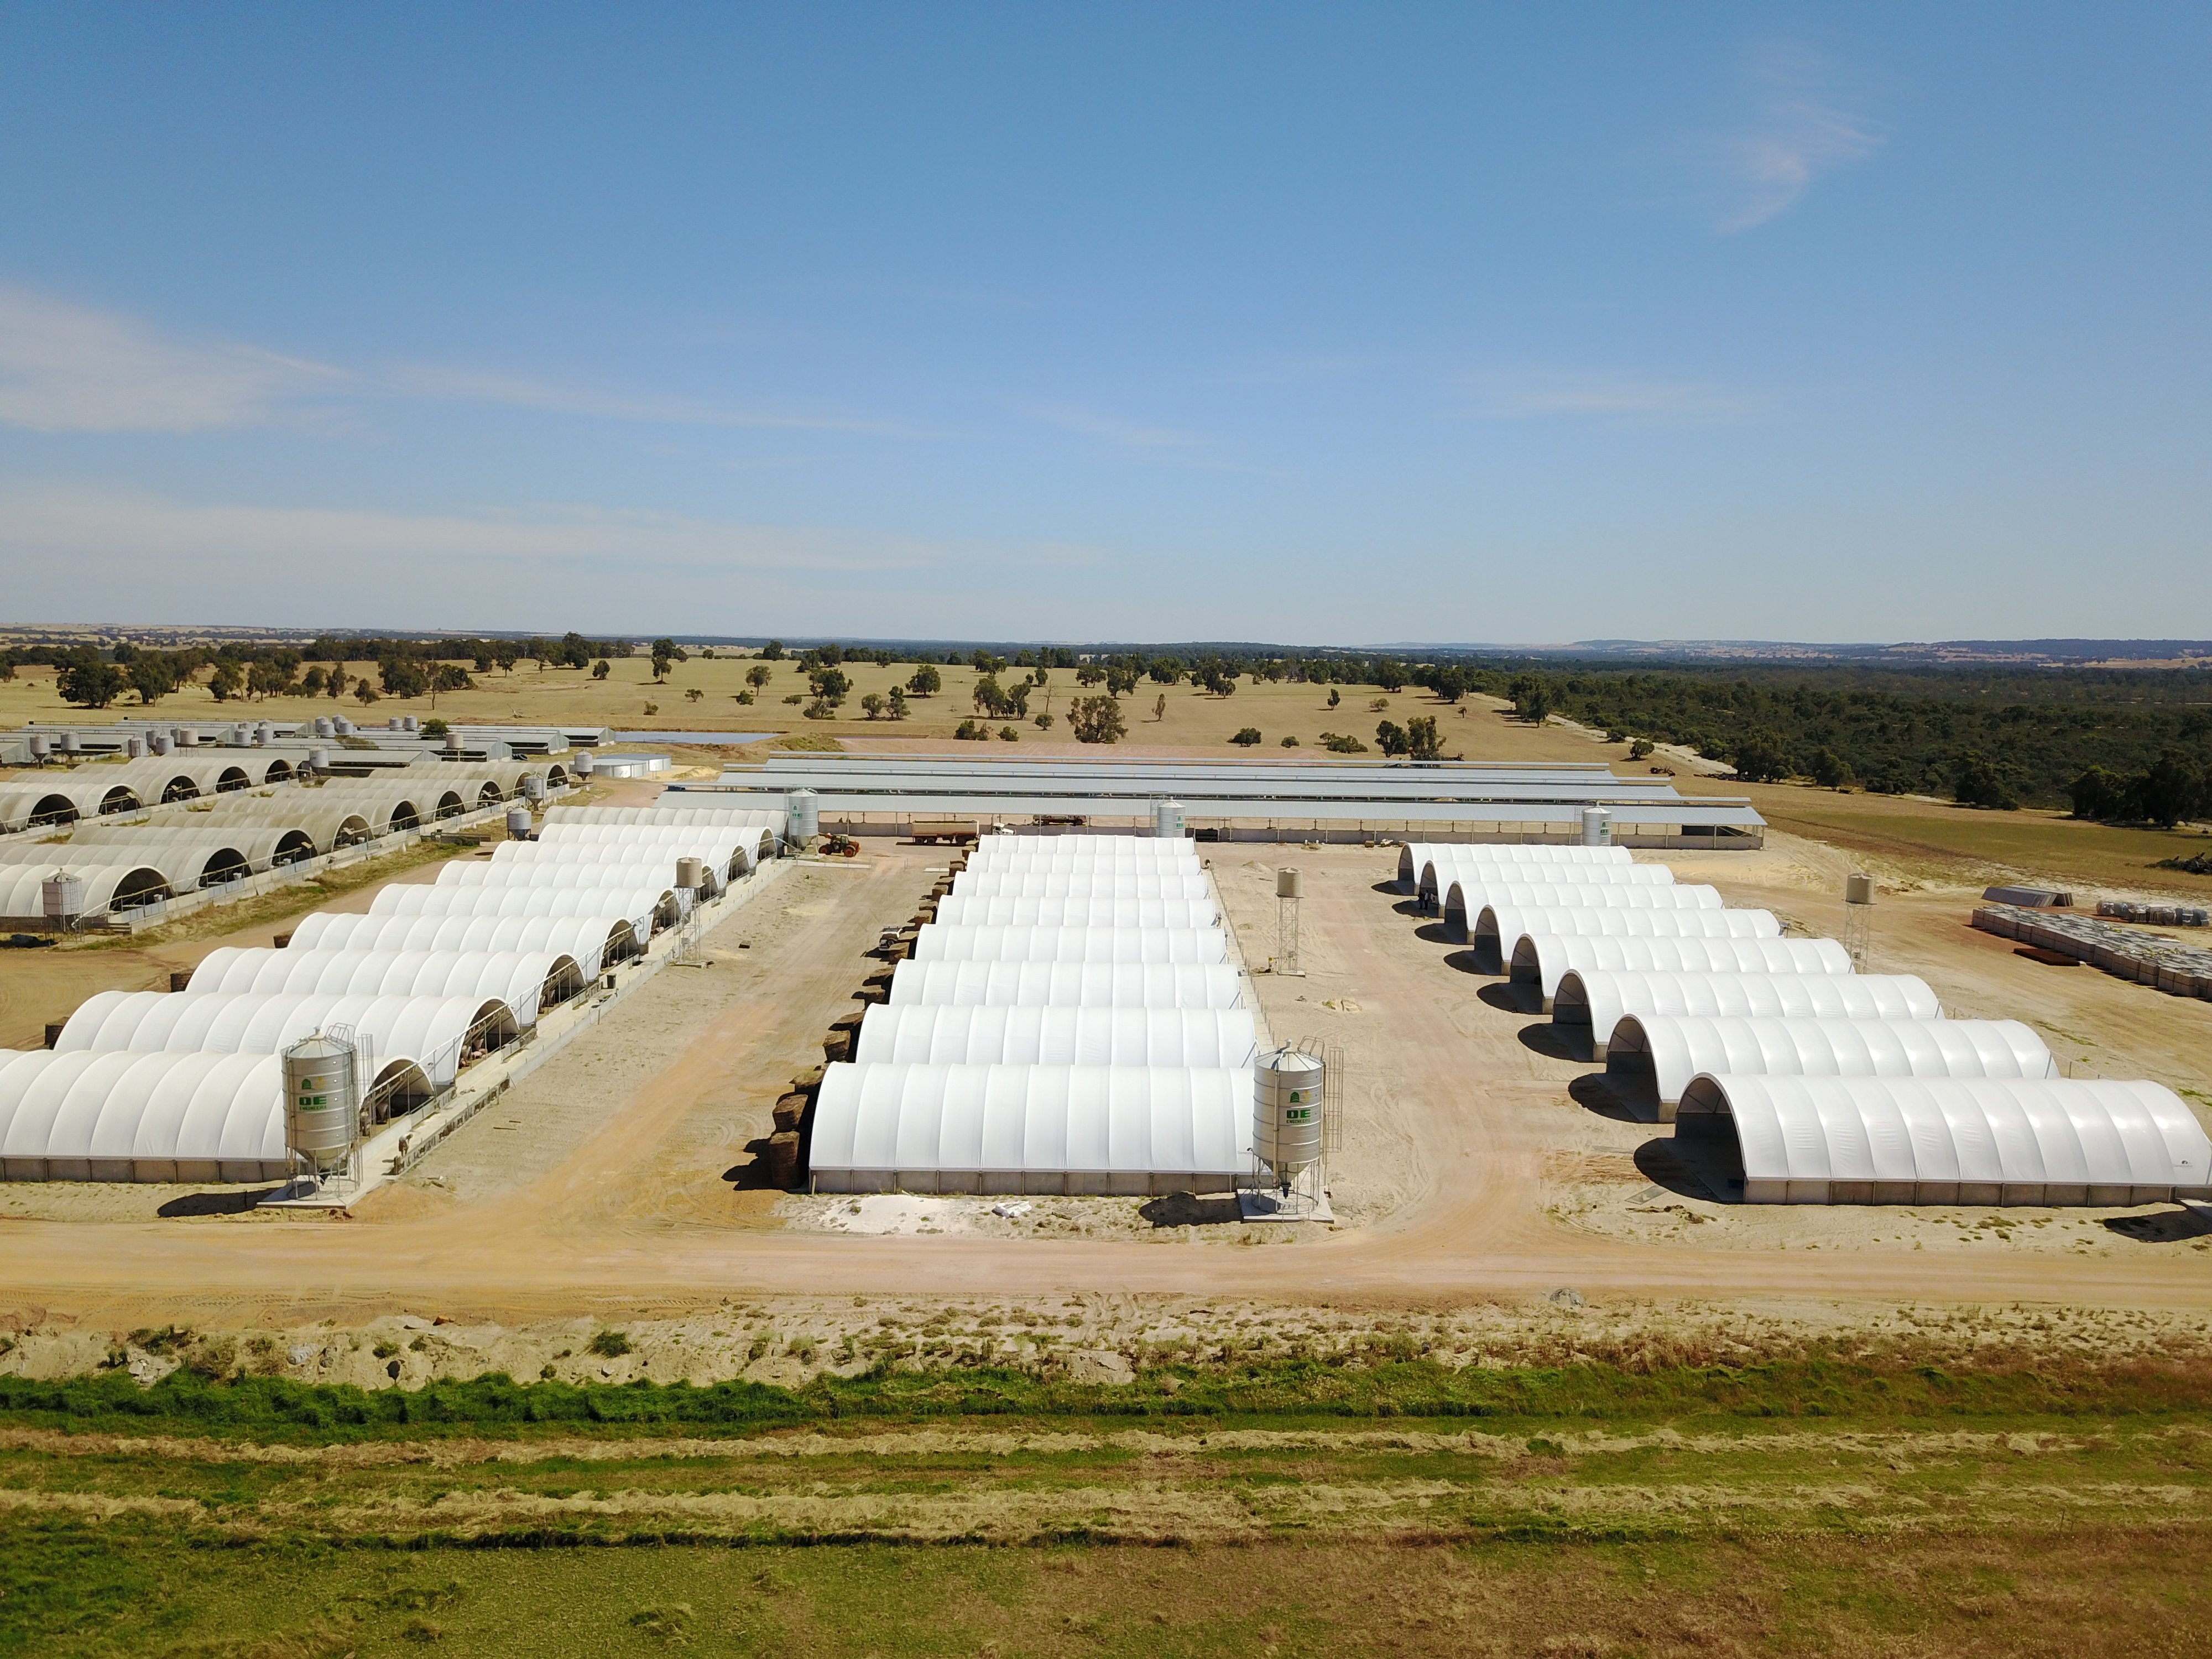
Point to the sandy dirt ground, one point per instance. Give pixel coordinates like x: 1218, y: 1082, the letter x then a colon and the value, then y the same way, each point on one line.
x: 1482, y: 1160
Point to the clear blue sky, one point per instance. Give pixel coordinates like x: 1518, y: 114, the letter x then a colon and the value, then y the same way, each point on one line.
x: 1335, y: 324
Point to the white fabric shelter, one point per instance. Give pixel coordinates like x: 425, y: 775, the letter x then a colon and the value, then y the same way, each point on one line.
x: 977, y: 1036
x: 89, y: 1115
x: 1464, y: 897
x: 1671, y: 1048
x: 1192, y: 945
x: 429, y: 1033
x: 1950, y: 1140
x: 1032, y: 1129
x: 1600, y: 999
x: 1497, y: 922
x: 1004, y: 846
x: 972, y: 883
x: 644, y: 905
x: 106, y: 886
x: 957, y: 912
x: 1063, y: 985
x: 595, y: 941
x: 1416, y: 855
x: 518, y: 978
x: 1545, y: 958
x: 1439, y: 874
x: 764, y: 818
x: 659, y: 874
x: 1046, y: 862
x: 737, y: 848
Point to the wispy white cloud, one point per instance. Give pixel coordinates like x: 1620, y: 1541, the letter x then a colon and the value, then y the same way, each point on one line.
x: 1536, y: 395
x: 1801, y: 130
x: 1109, y: 428
x: 78, y: 552
x: 67, y: 367
x: 522, y: 392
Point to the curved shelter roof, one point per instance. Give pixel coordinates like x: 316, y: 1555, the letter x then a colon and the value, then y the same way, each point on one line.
x: 256, y: 847
x: 955, y: 911
x: 91, y: 1116
x: 326, y: 826
x: 1600, y: 999
x: 1439, y: 872
x: 1004, y: 1036
x: 106, y: 886
x: 1031, y: 1128
x: 185, y: 865
x: 723, y: 857
x: 1950, y: 1140
x: 772, y: 819
x: 1545, y: 958
x: 1023, y: 853
x: 1064, y: 985
x: 659, y: 874
x: 61, y: 798
x: 1496, y: 922
x: 524, y: 979
x: 985, y: 883
x: 593, y: 940
x: 432, y: 1034
x: 1671, y: 1048
x: 1414, y: 856
x: 1465, y: 896
x: 737, y: 848
x: 1191, y: 945
x: 647, y: 906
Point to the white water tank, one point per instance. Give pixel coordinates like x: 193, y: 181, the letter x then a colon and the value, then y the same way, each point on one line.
x: 1597, y: 827
x: 408, y: 723
x: 453, y: 741
x: 160, y: 743
x: 343, y: 727
x: 319, y: 1101
x: 322, y: 726
x: 188, y: 736
x: 1858, y: 889
x: 533, y: 786
x: 583, y: 764
x: 239, y: 737
x: 518, y: 823
x: 691, y: 874
x: 134, y: 747
x: 63, y: 896
x: 1286, y: 1111
x: 262, y: 733
x: 69, y: 743
x: 318, y: 760
x: 806, y: 816
x: 1167, y: 820
x: 1287, y: 884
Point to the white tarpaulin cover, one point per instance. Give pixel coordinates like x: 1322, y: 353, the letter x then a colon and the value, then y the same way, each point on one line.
x: 122, y: 1116
x: 1545, y: 958
x: 1464, y: 897
x: 1951, y: 1140
x: 593, y: 940
x: 640, y: 904
x: 957, y: 912
x: 1600, y: 999
x: 1416, y: 855
x: 1509, y: 921
x: 427, y: 1032
x: 1439, y: 872
x: 1031, y: 1128
x: 1676, y: 1048
x: 1104, y: 884
x: 1064, y: 985
x: 1179, y: 945
x: 515, y: 977
x: 979, y: 1036
x: 660, y: 873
